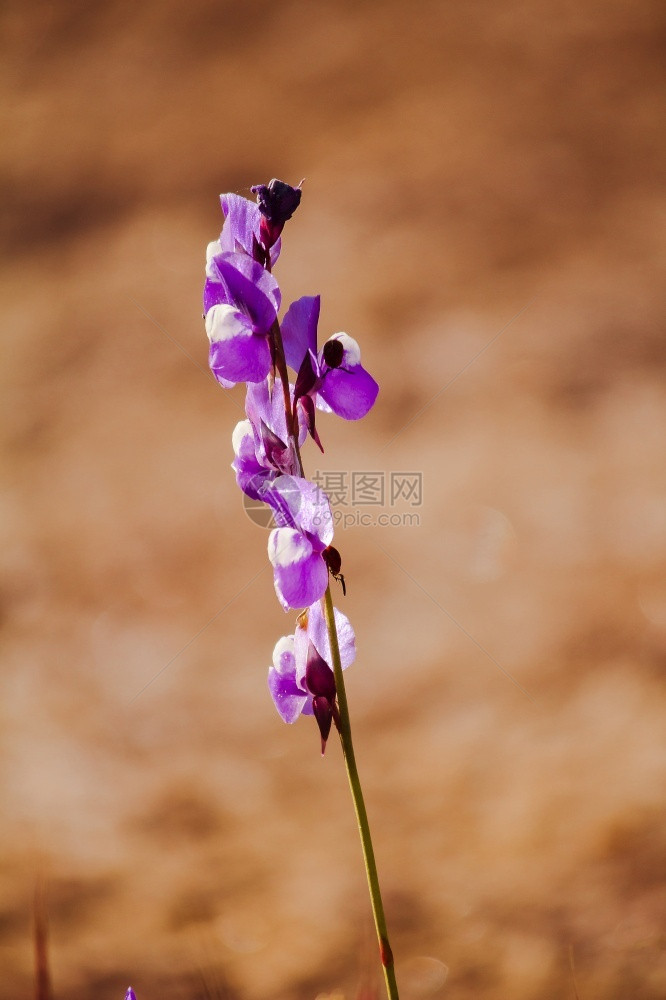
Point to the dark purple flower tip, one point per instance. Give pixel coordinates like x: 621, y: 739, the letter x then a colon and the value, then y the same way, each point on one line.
x: 333, y: 353
x: 323, y: 713
x: 277, y: 200
x: 319, y: 677
x: 130, y: 995
x: 307, y: 406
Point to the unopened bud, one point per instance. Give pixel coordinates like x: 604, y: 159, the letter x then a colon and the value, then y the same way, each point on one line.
x: 277, y: 203
x: 323, y: 713
x: 319, y: 677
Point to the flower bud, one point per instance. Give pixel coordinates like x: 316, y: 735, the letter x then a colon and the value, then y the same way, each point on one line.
x: 319, y: 677
x: 277, y: 203
x: 323, y: 713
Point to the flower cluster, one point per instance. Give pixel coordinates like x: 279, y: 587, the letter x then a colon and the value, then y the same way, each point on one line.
x: 250, y: 344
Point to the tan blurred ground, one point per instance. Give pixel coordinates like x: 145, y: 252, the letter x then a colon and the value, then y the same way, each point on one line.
x: 470, y: 169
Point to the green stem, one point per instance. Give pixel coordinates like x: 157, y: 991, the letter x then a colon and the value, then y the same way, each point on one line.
x: 385, y: 952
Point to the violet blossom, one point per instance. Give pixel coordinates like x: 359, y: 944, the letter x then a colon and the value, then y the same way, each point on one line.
x: 297, y: 547
x: 262, y: 445
x: 241, y: 302
x: 334, y: 378
x: 247, y: 344
x: 301, y: 681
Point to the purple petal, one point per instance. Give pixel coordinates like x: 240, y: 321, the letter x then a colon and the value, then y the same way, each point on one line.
x: 236, y: 353
x: 251, y: 476
x: 318, y: 636
x: 350, y: 393
x: 241, y: 226
x: 266, y: 404
x: 300, y: 574
x: 288, y: 697
x: 299, y: 330
x: 238, y: 281
x: 347, y: 387
x: 241, y: 222
x: 304, y: 505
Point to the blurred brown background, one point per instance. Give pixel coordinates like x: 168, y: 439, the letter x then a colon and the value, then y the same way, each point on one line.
x: 484, y: 211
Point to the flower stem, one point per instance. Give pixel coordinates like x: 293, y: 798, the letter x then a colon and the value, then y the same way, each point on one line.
x: 385, y: 952
x: 289, y: 414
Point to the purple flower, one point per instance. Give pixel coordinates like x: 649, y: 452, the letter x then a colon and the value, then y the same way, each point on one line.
x: 262, y: 447
x: 301, y: 680
x: 241, y: 301
x: 333, y: 379
x: 130, y: 995
x: 296, y: 548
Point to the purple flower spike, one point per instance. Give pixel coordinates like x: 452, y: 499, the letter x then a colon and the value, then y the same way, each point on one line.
x: 130, y: 995
x: 241, y: 301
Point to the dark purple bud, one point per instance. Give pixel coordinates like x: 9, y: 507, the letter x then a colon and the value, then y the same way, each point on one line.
x: 333, y: 560
x: 277, y: 200
x: 333, y: 353
x: 319, y: 677
x: 130, y: 995
x: 277, y: 203
x: 323, y: 713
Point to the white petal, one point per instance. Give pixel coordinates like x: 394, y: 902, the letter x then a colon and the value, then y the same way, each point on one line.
x: 224, y: 322
x: 212, y: 250
x: 287, y: 546
x: 283, y: 655
x: 242, y: 430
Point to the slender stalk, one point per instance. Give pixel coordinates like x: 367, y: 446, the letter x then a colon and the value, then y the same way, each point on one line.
x: 385, y: 952
x: 281, y: 365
